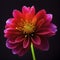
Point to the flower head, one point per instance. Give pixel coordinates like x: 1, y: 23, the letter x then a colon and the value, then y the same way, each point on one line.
x: 28, y: 27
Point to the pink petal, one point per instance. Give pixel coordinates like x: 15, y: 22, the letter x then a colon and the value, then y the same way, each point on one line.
x: 29, y: 15
x: 25, y: 9
x: 10, y: 36
x: 36, y: 40
x: 17, y: 14
x: 19, y: 39
x: 10, y: 46
x: 11, y: 32
x: 44, y: 46
x: 25, y: 43
x: 11, y: 40
x: 44, y: 22
x: 44, y: 33
x: 40, y: 14
x: 40, y: 23
x: 49, y: 17
x: 17, y: 49
x: 22, y: 52
x: 12, y: 25
x: 15, y: 40
x: 47, y: 33
x: 9, y: 21
x: 32, y: 12
x: 53, y: 27
x: 47, y: 30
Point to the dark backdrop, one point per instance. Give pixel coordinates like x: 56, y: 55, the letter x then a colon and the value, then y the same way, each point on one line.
x: 51, y: 6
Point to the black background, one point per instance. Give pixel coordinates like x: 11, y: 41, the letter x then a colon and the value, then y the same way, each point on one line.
x: 51, y: 6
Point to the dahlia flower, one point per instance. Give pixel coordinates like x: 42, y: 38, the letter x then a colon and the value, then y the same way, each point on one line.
x: 27, y: 29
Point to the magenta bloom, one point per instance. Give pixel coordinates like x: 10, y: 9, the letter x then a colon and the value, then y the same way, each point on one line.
x: 28, y: 27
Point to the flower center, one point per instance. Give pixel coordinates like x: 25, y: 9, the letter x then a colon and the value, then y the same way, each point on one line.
x: 28, y: 28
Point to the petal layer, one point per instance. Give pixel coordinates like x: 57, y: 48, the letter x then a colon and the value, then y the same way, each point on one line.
x: 44, y: 46
x: 17, y: 14
x: 36, y: 40
x: 49, y: 17
x: 10, y: 46
x: 25, y: 43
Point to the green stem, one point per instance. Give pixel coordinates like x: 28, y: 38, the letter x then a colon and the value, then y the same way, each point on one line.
x: 32, y: 50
